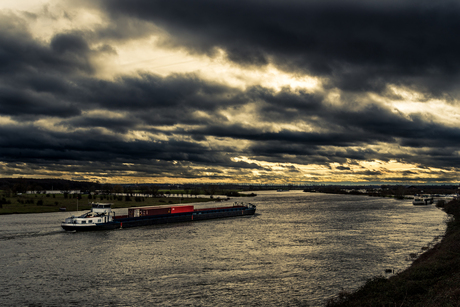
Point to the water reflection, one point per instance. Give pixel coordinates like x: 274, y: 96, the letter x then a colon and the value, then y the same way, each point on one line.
x: 299, y: 248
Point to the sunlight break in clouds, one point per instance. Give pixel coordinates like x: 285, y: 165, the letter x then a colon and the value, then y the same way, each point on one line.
x: 230, y: 91
x: 147, y: 55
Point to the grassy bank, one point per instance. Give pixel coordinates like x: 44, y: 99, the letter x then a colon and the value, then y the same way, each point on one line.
x: 432, y: 280
x: 39, y: 203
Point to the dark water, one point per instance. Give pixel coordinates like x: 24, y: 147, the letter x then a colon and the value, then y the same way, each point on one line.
x: 299, y: 250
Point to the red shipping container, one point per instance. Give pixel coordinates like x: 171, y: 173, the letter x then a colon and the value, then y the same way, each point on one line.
x: 165, y: 209
x: 180, y: 209
x: 147, y: 211
x: 154, y: 211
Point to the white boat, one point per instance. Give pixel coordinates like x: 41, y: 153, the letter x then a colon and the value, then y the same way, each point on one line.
x: 419, y: 202
x: 422, y: 201
x: 100, y: 216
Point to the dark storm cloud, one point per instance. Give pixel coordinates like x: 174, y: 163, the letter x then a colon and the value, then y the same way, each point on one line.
x: 71, y: 43
x: 32, y: 105
x: 28, y: 144
x: 94, y: 120
x: 312, y: 138
x: 46, y: 79
x: 359, y: 45
x: 339, y: 125
x: 152, y: 91
x: 118, y: 125
x: 20, y: 53
x: 156, y: 101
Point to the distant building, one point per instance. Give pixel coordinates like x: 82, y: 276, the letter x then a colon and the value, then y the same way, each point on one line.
x: 54, y: 192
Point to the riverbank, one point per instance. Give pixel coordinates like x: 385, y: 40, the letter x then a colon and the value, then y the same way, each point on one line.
x: 40, y: 203
x: 432, y: 280
x: 52, y: 201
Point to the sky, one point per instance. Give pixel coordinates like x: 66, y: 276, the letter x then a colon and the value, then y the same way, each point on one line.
x: 230, y: 91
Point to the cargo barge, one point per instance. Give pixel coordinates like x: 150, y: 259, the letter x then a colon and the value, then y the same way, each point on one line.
x: 101, y: 216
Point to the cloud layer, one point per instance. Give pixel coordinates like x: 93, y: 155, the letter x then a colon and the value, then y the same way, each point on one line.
x: 384, y: 108
x: 356, y: 45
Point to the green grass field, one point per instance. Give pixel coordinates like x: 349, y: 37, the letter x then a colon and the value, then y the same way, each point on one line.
x: 38, y: 203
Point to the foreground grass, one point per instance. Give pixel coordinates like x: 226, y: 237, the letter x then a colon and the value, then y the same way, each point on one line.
x: 432, y: 280
x: 31, y: 203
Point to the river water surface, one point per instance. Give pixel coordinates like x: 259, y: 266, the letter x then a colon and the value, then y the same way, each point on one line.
x: 298, y: 250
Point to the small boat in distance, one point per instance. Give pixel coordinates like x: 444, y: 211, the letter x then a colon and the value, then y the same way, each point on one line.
x: 419, y: 202
x: 422, y: 201
x: 101, y: 216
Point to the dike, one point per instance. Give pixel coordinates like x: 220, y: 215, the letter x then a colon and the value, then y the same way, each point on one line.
x: 432, y: 280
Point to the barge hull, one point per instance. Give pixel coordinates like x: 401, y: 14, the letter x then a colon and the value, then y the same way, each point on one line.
x: 195, y: 215
x: 104, y: 226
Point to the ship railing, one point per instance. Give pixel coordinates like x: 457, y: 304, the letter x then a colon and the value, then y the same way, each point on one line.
x: 241, y: 204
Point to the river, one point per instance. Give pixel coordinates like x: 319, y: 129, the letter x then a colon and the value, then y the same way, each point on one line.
x: 298, y: 250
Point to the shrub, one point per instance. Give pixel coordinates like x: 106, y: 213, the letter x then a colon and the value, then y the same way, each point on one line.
x: 441, y: 203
